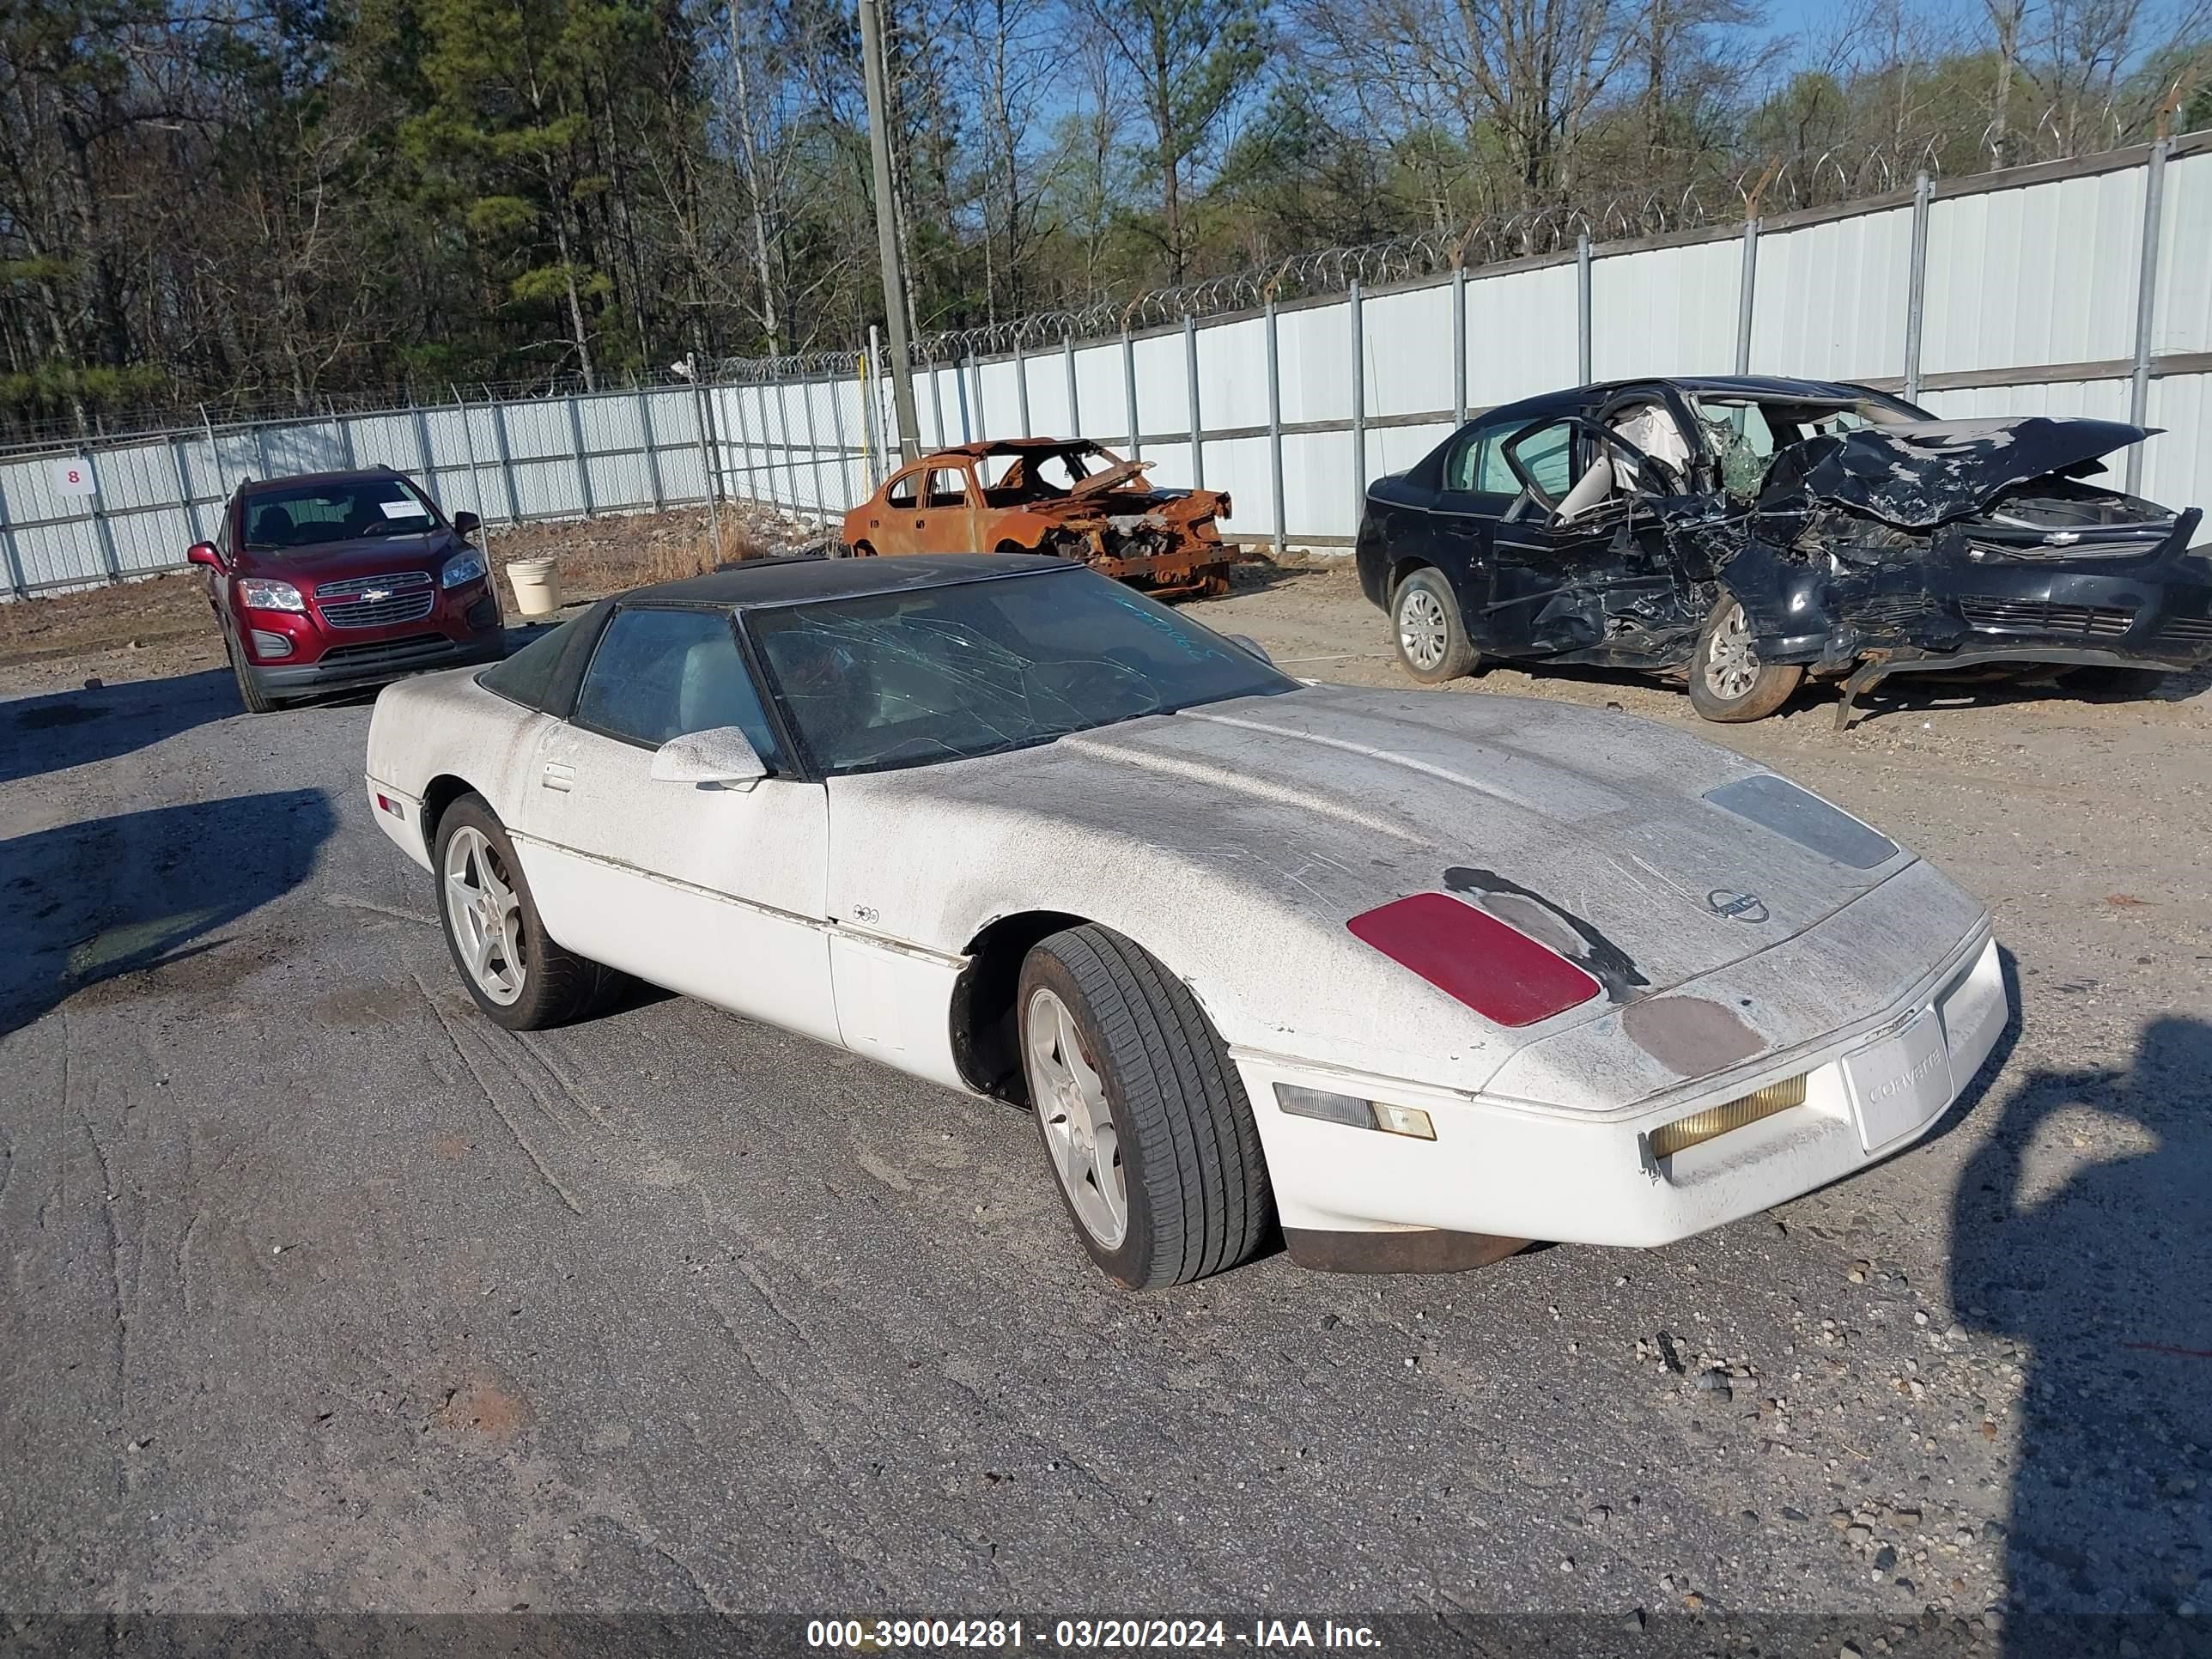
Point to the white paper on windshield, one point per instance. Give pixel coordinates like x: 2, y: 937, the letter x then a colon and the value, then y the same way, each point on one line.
x: 405, y: 510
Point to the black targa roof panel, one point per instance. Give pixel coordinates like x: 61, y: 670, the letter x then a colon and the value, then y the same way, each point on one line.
x: 1918, y: 474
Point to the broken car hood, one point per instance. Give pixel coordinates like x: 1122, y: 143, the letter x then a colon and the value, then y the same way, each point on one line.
x: 1923, y: 473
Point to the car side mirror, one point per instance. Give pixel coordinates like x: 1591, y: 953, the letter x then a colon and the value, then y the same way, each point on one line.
x: 722, y: 757
x: 203, y: 553
x: 466, y: 524
x: 1249, y: 643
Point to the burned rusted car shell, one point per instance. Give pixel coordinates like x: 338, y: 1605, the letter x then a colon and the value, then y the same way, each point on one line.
x: 1906, y: 545
x: 1165, y: 541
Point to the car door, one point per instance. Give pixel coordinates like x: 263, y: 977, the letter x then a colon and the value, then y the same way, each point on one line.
x: 950, y: 505
x: 715, y: 891
x: 1478, y: 490
x: 1578, y: 570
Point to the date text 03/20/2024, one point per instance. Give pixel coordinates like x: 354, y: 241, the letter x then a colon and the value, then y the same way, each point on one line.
x: 878, y: 1635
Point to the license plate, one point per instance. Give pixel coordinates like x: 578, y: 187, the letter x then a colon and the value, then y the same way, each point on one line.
x: 1899, y: 1084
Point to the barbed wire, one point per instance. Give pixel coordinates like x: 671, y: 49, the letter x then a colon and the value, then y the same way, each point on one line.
x: 1489, y: 239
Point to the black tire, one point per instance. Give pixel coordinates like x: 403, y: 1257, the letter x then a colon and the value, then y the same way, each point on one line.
x: 1739, y: 687
x: 557, y: 986
x: 1429, y: 630
x: 1198, y: 1199
x: 861, y: 550
x: 249, y: 693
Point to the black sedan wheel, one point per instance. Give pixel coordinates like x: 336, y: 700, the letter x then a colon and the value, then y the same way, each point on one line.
x: 1728, y: 682
x: 1430, y: 632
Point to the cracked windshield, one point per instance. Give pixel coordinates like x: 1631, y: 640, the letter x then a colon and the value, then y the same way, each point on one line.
x: 947, y: 673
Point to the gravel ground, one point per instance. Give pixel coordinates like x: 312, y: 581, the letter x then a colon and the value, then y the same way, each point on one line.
x: 324, y: 1293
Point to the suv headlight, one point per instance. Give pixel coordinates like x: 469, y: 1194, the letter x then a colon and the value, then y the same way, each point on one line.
x: 463, y: 568
x: 258, y: 594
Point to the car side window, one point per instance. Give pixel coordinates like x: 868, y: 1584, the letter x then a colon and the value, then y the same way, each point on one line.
x: 659, y: 674
x: 1547, y: 456
x: 948, y: 487
x: 904, y: 491
x: 1477, y: 465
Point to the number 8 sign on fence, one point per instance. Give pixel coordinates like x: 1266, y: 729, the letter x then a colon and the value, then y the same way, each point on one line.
x: 73, y: 475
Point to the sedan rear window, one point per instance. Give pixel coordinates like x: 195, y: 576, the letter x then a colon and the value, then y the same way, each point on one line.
x: 282, y: 518
x: 976, y: 668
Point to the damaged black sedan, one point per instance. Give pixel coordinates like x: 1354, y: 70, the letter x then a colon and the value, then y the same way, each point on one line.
x: 1746, y: 532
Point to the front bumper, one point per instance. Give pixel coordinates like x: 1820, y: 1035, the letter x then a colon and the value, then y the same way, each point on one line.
x: 2154, y: 613
x: 1502, y: 1172
x: 375, y: 662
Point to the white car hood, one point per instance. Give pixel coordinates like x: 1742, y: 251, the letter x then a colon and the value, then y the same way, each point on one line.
x: 1234, y: 842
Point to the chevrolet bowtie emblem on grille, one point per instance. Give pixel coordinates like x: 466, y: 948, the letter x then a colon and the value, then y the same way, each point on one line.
x: 1737, y: 907
x: 371, y: 595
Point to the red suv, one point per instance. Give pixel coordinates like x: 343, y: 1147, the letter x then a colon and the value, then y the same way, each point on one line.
x: 339, y: 579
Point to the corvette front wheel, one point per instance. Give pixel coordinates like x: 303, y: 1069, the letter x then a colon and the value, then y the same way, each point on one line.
x: 1143, y: 1116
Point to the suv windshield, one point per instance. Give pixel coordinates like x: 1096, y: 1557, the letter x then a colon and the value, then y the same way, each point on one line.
x: 284, y: 517
x: 976, y: 668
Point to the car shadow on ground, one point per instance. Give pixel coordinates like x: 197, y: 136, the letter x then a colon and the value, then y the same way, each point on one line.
x: 62, y: 729
x: 88, y: 904
x: 2082, y: 1237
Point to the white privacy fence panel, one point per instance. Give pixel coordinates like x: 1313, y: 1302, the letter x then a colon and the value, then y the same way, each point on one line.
x: 1832, y: 298
x: 2027, y: 288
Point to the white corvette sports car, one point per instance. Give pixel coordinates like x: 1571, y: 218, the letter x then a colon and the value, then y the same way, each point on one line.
x: 1423, y: 976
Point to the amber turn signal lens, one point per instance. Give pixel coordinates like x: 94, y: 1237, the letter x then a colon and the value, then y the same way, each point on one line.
x: 1686, y: 1131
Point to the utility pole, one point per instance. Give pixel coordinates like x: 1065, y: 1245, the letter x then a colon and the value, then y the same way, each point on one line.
x: 887, y: 242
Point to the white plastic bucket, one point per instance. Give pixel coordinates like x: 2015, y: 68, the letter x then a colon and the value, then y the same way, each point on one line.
x: 537, y: 584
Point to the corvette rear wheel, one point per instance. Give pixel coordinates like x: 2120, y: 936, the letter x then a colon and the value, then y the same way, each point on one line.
x: 1728, y: 681
x: 1430, y: 633
x: 518, y: 976
x: 1143, y: 1116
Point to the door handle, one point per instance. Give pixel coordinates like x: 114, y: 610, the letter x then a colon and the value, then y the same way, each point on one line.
x: 558, y: 776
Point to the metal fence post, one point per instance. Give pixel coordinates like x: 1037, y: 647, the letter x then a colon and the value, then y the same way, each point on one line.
x: 936, y: 405
x: 790, y: 450
x: 872, y: 409
x: 1130, y: 392
x: 422, y: 446
x: 215, y: 455
x: 1459, y: 344
x: 1275, y: 427
x: 1074, y: 405
x: 345, y: 434
x: 652, y: 450
x: 106, y: 530
x: 1190, y: 383
x: 960, y: 373
x: 813, y: 443
x: 1022, y: 383
x: 1916, y: 285
x: 1358, y: 412
x: 185, y: 490
x: 15, y: 581
x: 844, y: 451
x: 2147, y: 303
x: 506, y: 456
x: 1747, y: 286
x: 1583, y: 342
x: 469, y: 447
x: 746, y: 465
x: 576, y: 438
x: 261, y: 447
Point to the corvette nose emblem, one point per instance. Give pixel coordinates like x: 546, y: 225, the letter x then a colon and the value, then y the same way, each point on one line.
x: 1737, y: 907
